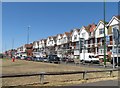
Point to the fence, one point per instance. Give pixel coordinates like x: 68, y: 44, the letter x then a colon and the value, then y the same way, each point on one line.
x: 42, y: 74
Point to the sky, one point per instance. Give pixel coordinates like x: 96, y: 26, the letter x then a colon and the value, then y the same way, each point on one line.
x: 48, y: 19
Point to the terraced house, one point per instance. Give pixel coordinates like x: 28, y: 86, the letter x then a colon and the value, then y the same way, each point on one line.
x: 84, y: 36
x: 59, y: 43
x: 42, y: 47
x: 99, y: 38
x: 51, y: 45
x: 36, y: 49
x: 114, y: 23
x: 75, y: 42
x: 91, y: 40
x: 21, y: 51
x: 68, y: 44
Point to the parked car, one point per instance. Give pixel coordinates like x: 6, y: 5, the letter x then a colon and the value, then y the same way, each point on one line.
x: 45, y: 59
x: 23, y: 58
x: 53, y: 59
x: 63, y: 59
x: 17, y: 57
x: 28, y: 58
x: 39, y: 59
x: 88, y: 57
x: 116, y: 61
x: 68, y: 60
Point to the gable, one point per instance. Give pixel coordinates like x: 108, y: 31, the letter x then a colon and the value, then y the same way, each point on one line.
x: 64, y: 35
x: 58, y: 37
x: 74, y: 32
x: 113, y: 21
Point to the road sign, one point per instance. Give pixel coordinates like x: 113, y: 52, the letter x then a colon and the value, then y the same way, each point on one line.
x: 81, y: 43
x: 114, y: 50
x: 116, y: 35
x: 119, y: 38
x: 107, y: 40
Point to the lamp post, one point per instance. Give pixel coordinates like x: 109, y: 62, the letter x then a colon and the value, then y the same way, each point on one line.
x: 104, y: 39
x: 28, y: 34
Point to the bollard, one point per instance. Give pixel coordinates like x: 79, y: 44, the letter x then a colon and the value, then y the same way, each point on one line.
x: 84, y: 75
x: 42, y: 78
x: 111, y: 73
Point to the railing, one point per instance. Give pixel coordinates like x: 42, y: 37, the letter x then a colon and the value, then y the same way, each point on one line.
x: 42, y: 74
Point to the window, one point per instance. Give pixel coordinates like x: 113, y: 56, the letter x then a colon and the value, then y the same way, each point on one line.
x: 75, y: 37
x: 83, y: 34
x: 59, y: 40
x: 101, y: 31
x: 89, y: 56
x: 91, y: 41
x: 90, y: 34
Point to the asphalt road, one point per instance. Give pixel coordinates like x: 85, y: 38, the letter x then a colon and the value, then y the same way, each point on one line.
x: 102, y: 83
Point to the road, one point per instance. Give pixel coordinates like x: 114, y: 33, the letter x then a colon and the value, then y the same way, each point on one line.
x: 99, y: 84
x: 102, y: 83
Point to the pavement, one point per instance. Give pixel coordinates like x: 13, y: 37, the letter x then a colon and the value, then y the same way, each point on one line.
x: 108, y: 65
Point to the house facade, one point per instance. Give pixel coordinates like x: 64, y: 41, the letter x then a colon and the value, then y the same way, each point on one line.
x: 36, y: 49
x: 21, y: 51
x: 114, y: 23
x: 84, y: 36
x: 42, y: 47
x: 51, y: 45
x: 59, y: 45
x: 75, y: 42
x: 65, y: 44
x: 91, y: 40
x: 68, y: 43
x: 99, y: 39
x: 29, y: 49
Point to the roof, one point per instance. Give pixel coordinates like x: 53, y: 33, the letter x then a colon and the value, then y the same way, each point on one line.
x: 92, y: 28
x: 87, y: 28
x: 104, y: 21
x: 68, y: 33
x: 60, y: 35
x: 118, y: 17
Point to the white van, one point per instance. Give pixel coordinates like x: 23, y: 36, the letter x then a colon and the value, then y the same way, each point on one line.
x: 88, y: 57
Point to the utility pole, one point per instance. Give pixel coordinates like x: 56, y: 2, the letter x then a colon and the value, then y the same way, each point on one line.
x: 12, y: 43
x: 104, y: 39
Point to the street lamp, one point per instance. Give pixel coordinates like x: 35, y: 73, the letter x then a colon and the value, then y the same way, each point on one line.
x: 104, y: 39
x: 28, y: 34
